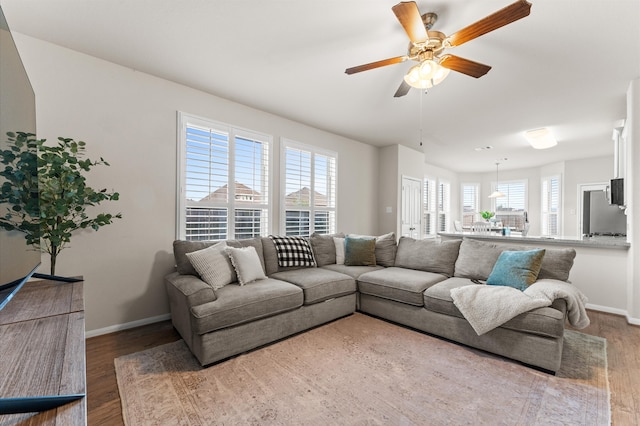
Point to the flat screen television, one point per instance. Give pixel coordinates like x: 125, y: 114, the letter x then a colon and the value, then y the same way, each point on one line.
x: 18, y: 261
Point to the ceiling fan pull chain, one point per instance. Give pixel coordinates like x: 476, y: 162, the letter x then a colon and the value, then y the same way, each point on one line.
x: 421, y: 95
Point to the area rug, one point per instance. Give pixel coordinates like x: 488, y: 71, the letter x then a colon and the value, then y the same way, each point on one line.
x: 362, y: 370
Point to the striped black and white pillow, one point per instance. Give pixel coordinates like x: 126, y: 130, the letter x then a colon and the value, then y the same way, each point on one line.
x: 293, y: 251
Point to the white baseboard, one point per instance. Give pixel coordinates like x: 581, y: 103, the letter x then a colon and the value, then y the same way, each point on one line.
x: 634, y: 321
x: 621, y: 312
x: 125, y: 326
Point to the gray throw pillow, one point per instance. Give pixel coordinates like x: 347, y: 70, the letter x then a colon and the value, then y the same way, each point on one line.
x: 247, y: 264
x: 213, y: 265
x: 428, y: 255
x: 359, y: 251
x: 386, y: 247
x: 180, y: 250
x: 324, y: 248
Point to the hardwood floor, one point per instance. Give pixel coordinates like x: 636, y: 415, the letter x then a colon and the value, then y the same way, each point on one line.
x: 103, y: 400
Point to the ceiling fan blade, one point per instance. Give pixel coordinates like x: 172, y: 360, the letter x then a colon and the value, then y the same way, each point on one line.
x: 402, y: 90
x: 409, y: 16
x: 464, y: 66
x: 505, y: 16
x: 377, y: 64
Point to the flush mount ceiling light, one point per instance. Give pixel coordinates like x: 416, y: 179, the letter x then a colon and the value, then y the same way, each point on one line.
x: 540, y: 138
x: 496, y: 193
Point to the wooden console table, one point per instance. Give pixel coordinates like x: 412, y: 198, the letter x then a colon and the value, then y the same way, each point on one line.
x: 42, y: 351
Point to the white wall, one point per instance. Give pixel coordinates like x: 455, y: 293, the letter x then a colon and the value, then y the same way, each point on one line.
x: 397, y: 161
x: 389, y: 191
x: 632, y: 193
x: 129, y: 118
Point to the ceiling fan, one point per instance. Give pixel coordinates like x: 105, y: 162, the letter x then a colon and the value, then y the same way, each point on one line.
x: 427, y: 47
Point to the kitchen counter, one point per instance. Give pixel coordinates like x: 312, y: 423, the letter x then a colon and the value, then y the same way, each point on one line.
x: 607, y: 242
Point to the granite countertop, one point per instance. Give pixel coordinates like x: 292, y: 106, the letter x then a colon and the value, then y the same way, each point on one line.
x: 596, y: 242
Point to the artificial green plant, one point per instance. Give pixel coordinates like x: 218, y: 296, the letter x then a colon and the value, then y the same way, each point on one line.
x: 486, y: 215
x: 49, y: 219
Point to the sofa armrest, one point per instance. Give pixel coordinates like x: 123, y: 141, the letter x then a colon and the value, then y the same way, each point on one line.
x: 192, y: 289
x: 185, y: 292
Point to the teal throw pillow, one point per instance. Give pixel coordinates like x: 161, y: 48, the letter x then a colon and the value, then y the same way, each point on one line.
x: 518, y: 269
x: 359, y: 251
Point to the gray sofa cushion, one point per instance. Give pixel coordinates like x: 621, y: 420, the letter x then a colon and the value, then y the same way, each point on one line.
x: 352, y: 271
x: 239, y: 304
x: 399, y: 284
x: 477, y: 258
x: 547, y: 321
x: 318, y: 284
x: 182, y: 247
x: 428, y: 255
x: 386, y: 247
x: 324, y: 249
x: 557, y: 263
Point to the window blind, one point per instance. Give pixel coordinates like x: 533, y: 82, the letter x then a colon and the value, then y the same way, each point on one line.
x: 429, y: 202
x: 224, y: 181
x: 470, y: 205
x: 309, y: 183
x: 550, y: 206
x: 444, y: 205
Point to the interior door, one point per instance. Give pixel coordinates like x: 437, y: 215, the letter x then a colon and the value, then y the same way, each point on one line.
x: 411, y: 213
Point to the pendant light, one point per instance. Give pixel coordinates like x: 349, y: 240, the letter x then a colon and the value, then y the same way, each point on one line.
x: 496, y: 193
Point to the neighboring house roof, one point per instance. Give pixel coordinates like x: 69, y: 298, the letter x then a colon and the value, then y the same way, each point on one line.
x: 245, y: 193
x: 302, y: 198
x: 242, y: 192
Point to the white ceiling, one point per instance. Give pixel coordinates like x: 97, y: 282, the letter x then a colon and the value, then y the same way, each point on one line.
x: 567, y: 66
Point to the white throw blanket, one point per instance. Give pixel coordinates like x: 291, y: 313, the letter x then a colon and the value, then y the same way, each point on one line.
x: 486, y: 307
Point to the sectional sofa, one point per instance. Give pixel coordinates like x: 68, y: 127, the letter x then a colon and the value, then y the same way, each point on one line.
x: 409, y: 282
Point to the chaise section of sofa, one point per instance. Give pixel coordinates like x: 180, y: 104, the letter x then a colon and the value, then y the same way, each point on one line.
x: 534, y: 337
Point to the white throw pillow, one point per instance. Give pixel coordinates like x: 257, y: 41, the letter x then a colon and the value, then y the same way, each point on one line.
x: 247, y: 264
x: 213, y: 265
x: 339, y: 243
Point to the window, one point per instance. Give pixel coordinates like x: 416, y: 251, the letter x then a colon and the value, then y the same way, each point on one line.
x: 470, y: 202
x: 429, y: 211
x: 511, y: 209
x: 444, y: 205
x: 550, y: 197
x: 309, y: 188
x: 224, y: 181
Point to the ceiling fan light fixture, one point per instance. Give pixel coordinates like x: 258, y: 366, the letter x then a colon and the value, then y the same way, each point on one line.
x: 426, y: 74
x: 540, y: 138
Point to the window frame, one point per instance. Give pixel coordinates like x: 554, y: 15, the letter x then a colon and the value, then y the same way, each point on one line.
x: 546, y: 200
x: 312, y: 208
x: 500, y: 214
x: 476, y: 202
x: 429, y: 206
x: 231, y: 205
x: 443, y: 200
